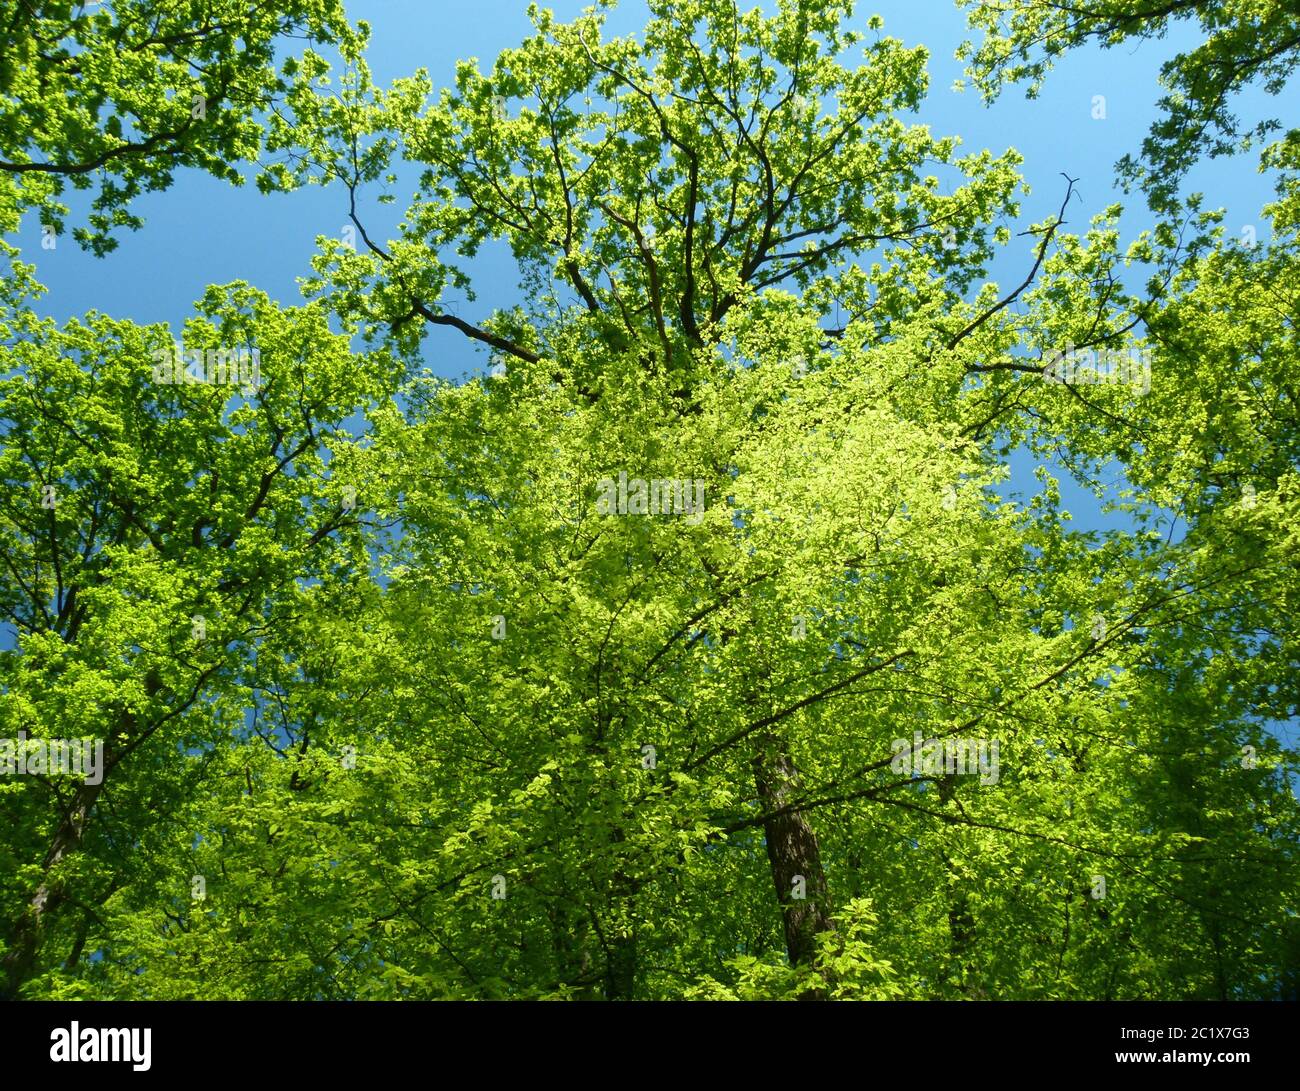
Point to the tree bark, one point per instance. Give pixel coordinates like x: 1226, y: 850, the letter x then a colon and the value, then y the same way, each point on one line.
x: 793, y: 854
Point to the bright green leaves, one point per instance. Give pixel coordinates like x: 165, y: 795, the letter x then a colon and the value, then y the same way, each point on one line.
x: 593, y: 677
x: 119, y: 95
x: 648, y: 187
x: 156, y: 522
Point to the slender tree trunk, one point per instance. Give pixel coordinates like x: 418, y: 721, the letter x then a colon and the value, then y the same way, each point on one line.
x: 793, y: 854
x: 78, y: 945
x: 23, y: 956
x: 22, y: 960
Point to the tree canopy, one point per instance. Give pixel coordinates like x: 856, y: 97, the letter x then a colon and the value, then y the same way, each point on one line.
x: 700, y: 648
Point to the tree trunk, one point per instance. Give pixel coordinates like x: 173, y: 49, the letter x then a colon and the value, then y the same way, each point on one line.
x: 793, y: 855
x: 620, y: 968
x: 23, y: 956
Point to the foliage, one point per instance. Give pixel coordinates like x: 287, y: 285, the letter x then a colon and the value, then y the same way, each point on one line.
x: 122, y: 94
x: 462, y: 724
x: 1245, y: 41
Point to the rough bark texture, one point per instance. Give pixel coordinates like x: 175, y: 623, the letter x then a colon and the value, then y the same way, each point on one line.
x: 792, y: 852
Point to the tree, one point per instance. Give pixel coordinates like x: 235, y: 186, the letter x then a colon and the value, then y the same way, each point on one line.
x: 668, y: 188
x: 156, y: 521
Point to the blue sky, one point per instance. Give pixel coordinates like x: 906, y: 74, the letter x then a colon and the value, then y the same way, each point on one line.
x: 203, y: 231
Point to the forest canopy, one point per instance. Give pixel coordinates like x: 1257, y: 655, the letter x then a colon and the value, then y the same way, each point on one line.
x: 698, y: 648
